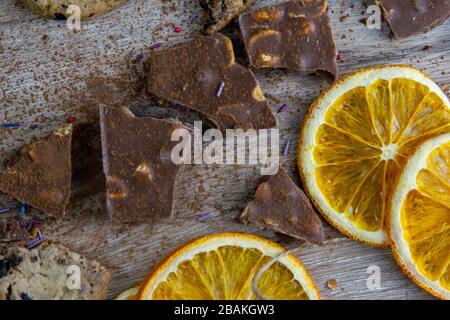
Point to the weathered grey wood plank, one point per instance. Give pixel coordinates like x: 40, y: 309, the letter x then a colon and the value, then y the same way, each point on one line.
x: 48, y: 72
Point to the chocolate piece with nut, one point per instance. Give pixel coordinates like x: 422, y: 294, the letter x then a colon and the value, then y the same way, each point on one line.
x: 408, y: 17
x: 202, y: 75
x: 280, y: 205
x: 140, y: 175
x: 40, y: 174
x: 221, y: 12
x: 294, y: 35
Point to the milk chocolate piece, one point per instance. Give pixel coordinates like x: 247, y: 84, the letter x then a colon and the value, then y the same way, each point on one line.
x: 40, y: 174
x: 221, y: 12
x: 294, y: 35
x: 280, y: 205
x: 202, y: 75
x: 408, y: 17
x: 140, y: 175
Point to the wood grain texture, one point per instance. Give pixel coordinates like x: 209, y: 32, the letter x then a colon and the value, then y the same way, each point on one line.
x: 48, y: 72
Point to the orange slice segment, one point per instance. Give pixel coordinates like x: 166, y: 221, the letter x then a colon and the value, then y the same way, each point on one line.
x: 229, y: 266
x: 357, y: 139
x: 419, y: 224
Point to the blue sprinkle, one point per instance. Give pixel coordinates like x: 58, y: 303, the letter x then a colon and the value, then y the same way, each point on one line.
x: 23, y: 208
x: 10, y: 125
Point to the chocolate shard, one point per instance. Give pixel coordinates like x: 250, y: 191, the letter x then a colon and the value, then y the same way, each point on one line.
x: 294, y: 35
x: 202, y: 75
x: 140, y: 176
x: 280, y: 205
x: 40, y: 174
x: 221, y: 12
x: 408, y: 17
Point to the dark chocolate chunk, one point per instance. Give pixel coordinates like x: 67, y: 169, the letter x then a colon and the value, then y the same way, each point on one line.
x: 40, y: 174
x: 280, y: 205
x: 140, y: 175
x: 408, y: 17
x: 202, y: 75
x: 222, y: 12
x: 294, y: 35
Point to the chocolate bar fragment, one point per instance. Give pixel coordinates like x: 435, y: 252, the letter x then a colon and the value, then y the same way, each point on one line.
x: 408, y: 17
x: 202, y: 75
x: 221, y: 12
x: 140, y: 176
x: 294, y: 35
x: 40, y: 174
x: 280, y: 205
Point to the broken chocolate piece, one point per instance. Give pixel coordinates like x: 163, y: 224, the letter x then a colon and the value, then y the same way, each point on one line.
x: 294, y: 35
x: 140, y: 176
x: 280, y: 205
x: 221, y: 12
x: 408, y: 17
x: 202, y: 75
x: 40, y: 174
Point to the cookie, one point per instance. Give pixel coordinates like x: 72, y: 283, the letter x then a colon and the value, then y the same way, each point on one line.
x: 221, y: 12
x: 49, y: 273
x: 57, y: 9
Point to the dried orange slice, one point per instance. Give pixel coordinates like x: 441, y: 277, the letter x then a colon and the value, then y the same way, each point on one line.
x: 419, y: 223
x: 357, y: 139
x: 129, y: 294
x: 229, y: 266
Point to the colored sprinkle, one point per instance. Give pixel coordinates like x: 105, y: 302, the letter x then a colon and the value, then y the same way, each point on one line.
x: 205, y: 217
x: 283, y: 107
x: 137, y: 58
x: 220, y: 89
x: 236, y: 219
x: 5, y: 210
x: 30, y: 244
x: 156, y: 45
x: 39, y: 234
x: 286, y: 147
x: 34, y: 233
x: 340, y: 58
x: 177, y: 29
x: 10, y: 125
x: 71, y: 119
x: 34, y: 126
x: 23, y: 208
x: 193, y: 18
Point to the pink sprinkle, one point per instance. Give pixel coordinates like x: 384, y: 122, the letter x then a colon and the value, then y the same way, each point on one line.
x: 340, y: 58
x: 177, y: 29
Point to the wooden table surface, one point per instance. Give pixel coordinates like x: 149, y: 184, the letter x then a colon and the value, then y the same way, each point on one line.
x: 48, y: 72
